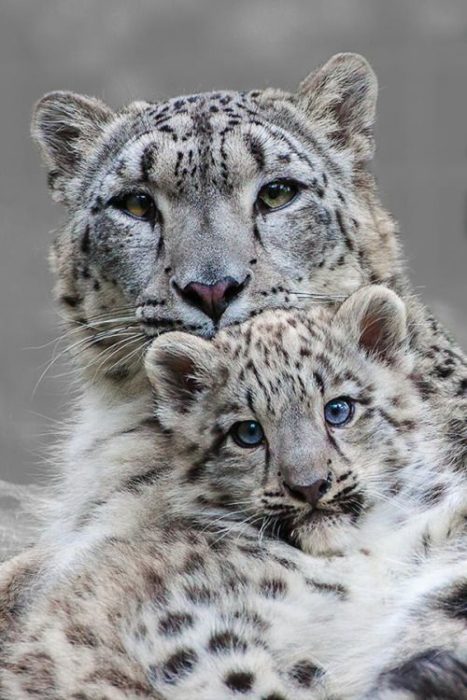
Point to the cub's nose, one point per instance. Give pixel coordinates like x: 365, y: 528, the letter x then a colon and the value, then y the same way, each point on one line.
x: 213, y: 299
x: 311, y: 493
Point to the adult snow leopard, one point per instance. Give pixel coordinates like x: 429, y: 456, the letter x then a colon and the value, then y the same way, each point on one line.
x: 296, y: 428
x: 198, y: 212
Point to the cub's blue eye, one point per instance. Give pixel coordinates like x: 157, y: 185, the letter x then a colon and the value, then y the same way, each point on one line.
x: 247, y: 433
x: 338, y: 412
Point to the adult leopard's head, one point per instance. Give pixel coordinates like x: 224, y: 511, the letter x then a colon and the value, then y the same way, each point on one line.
x: 297, y: 422
x: 198, y: 212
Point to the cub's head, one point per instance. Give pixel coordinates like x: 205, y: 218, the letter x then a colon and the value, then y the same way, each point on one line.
x: 297, y: 423
x: 197, y: 212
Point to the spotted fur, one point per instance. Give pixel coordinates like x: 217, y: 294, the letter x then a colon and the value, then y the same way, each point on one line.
x: 198, y: 574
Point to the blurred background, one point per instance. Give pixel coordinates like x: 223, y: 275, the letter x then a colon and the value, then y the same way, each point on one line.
x: 150, y: 49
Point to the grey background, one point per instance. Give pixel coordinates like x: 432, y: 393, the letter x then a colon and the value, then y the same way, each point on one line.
x: 148, y: 49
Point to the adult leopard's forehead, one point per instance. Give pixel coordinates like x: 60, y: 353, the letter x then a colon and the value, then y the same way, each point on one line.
x: 210, y: 133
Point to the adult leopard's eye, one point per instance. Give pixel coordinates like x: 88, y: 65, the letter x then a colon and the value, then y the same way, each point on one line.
x: 338, y: 412
x: 276, y: 195
x: 137, y: 204
x: 247, y: 433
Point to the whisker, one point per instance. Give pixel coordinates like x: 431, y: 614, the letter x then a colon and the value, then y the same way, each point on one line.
x: 318, y: 296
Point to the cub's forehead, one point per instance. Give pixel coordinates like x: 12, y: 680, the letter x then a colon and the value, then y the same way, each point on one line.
x: 285, y: 356
x: 280, y: 336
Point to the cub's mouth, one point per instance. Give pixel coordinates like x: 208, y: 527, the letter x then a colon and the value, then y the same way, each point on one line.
x: 294, y: 528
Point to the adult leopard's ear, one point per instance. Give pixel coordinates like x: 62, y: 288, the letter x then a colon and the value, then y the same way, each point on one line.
x: 65, y: 126
x: 342, y: 96
x: 376, y: 319
x: 179, y: 366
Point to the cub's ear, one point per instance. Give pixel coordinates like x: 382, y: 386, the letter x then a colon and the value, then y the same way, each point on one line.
x: 342, y: 96
x: 179, y: 366
x: 376, y: 319
x: 65, y: 125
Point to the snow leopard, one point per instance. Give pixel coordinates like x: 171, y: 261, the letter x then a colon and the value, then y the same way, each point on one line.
x: 198, y: 212
x: 290, y: 525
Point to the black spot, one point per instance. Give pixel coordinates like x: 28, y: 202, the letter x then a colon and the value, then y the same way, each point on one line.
x: 178, y: 665
x: 197, y: 469
x: 200, y: 595
x: 174, y: 623
x: 135, y: 482
x: 425, y: 387
x: 454, y: 603
x: 155, y: 587
x: 434, y: 494
x: 433, y: 674
x: 252, y: 618
x: 97, y: 206
x: 273, y: 587
x: 256, y: 149
x: 318, y: 188
x: 256, y: 233
x: 71, y: 301
x: 240, y: 681
x: 225, y: 642
x: 304, y: 673
x: 336, y: 588
x: 345, y: 233
x: 194, y: 562
x: 443, y: 372
x: 252, y: 550
x: 85, y: 241
x: 286, y: 563
x: 147, y: 161
x: 80, y: 635
x: 273, y: 696
x: 353, y: 505
x: 319, y: 381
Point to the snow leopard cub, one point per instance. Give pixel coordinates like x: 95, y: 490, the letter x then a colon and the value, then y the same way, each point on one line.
x: 296, y: 431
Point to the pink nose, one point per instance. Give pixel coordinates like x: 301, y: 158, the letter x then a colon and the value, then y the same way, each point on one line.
x: 213, y: 299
